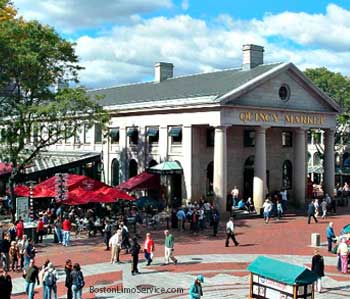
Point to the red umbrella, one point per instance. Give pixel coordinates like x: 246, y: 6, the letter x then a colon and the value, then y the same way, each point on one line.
x: 81, y: 190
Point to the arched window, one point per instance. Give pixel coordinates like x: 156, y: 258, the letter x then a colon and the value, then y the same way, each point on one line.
x: 287, y: 174
x: 317, y: 159
x: 115, y: 172
x: 132, y: 168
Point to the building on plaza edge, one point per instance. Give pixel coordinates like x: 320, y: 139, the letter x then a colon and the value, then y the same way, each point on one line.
x: 244, y: 127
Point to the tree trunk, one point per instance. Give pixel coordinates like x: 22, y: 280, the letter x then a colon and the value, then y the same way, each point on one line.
x: 12, y: 181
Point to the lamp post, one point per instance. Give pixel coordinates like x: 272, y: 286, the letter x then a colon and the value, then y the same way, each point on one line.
x: 31, y: 200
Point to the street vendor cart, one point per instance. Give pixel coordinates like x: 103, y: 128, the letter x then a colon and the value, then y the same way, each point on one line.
x: 274, y: 279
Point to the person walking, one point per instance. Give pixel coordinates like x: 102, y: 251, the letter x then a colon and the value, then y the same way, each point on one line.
x: 107, y: 231
x: 19, y: 228
x: 14, y: 256
x: 78, y: 282
x: 134, y: 251
x: 149, y: 249
x: 68, y: 282
x: 311, y: 212
x: 196, y: 290
x: 230, y: 232
x: 215, y: 219
x: 324, y: 208
x: 125, y: 237
x: 317, y: 266
x: 40, y: 229
x: 115, y: 242
x: 181, y: 218
x: 66, y: 226
x: 58, y: 230
x: 4, y: 252
x: 169, y: 248
x: 50, y: 282
x: 343, y: 252
x: 330, y: 235
x: 29, y: 253
x: 31, y: 276
x: 5, y: 284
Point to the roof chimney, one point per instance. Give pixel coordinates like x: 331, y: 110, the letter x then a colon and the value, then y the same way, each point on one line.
x: 163, y: 71
x: 253, y: 56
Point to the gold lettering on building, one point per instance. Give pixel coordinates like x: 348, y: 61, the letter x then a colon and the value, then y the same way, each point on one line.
x: 290, y: 118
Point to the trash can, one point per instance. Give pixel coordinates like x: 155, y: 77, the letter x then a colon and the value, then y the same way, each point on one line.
x: 270, y: 279
x: 315, y: 239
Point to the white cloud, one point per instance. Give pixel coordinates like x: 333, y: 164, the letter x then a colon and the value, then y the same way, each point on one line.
x: 331, y: 30
x: 185, y: 4
x: 70, y: 15
x: 128, y: 51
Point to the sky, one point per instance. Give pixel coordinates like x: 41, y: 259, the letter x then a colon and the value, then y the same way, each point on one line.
x: 119, y: 41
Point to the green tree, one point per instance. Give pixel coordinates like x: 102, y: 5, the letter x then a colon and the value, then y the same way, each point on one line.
x: 33, y: 114
x: 336, y: 86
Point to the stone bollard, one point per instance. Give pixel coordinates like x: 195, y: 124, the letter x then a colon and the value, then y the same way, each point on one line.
x: 315, y: 239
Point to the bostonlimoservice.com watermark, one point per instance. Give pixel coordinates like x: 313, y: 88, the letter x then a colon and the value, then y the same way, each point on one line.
x: 135, y: 290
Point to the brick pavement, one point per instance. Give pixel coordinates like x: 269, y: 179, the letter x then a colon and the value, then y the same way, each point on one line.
x: 224, y: 268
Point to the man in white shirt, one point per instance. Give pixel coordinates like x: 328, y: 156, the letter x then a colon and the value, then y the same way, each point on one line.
x: 284, y: 195
x: 115, y: 242
x: 230, y: 232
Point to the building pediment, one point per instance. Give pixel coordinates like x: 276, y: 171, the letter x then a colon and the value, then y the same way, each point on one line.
x: 266, y: 92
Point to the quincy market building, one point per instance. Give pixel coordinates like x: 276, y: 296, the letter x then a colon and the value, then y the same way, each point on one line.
x: 243, y: 127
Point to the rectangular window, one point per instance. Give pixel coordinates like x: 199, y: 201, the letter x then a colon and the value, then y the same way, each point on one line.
x: 249, y: 138
x: 317, y: 137
x: 87, y: 135
x: 153, y: 135
x: 114, y: 135
x: 133, y: 135
x: 210, y: 137
x: 176, y: 135
x: 287, y: 139
x: 98, y: 133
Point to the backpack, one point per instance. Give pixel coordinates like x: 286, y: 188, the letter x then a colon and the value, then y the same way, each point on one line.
x: 50, y: 279
x: 79, y: 280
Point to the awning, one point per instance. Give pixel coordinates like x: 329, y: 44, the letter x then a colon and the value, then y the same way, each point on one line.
x: 52, y: 162
x: 141, y: 182
x: 167, y: 167
x: 175, y: 132
x: 131, y: 132
x: 280, y: 271
x: 152, y: 132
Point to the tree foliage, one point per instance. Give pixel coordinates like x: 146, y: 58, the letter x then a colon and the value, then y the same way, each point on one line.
x: 33, y: 113
x: 7, y: 11
x: 337, y: 87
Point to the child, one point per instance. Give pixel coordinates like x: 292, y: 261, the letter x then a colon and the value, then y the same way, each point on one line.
x: 14, y: 255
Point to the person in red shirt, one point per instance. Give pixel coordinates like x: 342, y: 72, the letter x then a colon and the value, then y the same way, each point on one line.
x: 66, y: 226
x: 149, y: 248
x: 19, y: 229
x: 40, y: 230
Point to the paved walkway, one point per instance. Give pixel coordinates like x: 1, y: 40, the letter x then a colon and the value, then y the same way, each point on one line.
x: 224, y: 268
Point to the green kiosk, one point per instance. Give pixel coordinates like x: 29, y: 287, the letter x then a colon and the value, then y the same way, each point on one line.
x: 274, y: 279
